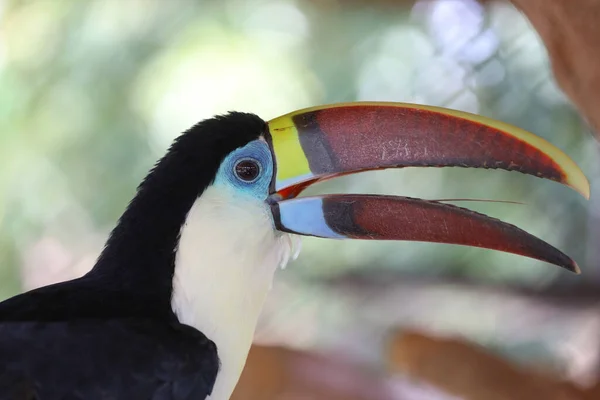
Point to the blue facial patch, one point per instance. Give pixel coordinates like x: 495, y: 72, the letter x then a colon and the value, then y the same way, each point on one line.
x: 255, y: 154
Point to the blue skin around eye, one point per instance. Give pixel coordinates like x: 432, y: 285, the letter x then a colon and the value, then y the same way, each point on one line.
x: 259, y: 189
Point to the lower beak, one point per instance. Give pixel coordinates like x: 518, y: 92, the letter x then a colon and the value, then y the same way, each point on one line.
x: 320, y: 143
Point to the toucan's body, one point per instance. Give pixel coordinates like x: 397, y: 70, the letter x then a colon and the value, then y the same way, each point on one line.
x: 136, y: 357
x: 169, y: 309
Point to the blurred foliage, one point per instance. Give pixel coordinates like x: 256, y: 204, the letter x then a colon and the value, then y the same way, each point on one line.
x: 93, y: 93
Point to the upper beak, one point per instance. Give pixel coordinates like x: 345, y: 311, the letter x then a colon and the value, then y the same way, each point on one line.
x: 323, y: 142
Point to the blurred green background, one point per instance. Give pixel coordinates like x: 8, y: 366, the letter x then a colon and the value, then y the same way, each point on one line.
x: 93, y: 92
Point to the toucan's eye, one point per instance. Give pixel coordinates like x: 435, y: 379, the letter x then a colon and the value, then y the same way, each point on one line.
x: 247, y: 170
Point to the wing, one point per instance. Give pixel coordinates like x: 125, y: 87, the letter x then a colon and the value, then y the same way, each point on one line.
x: 105, y: 359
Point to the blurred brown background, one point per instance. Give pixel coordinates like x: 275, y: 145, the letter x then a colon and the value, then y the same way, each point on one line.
x: 93, y: 92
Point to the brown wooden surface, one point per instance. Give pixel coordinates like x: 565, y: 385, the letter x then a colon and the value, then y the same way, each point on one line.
x: 453, y: 366
x: 277, y: 373
x: 474, y: 373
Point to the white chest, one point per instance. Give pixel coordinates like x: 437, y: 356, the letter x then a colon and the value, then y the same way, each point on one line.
x: 227, y: 255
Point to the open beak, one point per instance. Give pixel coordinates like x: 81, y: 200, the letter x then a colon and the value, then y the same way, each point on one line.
x: 319, y: 143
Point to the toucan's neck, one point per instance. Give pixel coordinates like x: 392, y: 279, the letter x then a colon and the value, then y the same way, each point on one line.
x: 140, y: 252
x: 226, y: 259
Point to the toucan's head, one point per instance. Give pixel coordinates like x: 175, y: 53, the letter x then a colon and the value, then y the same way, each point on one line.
x: 277, y: 160
x: 222, y: 208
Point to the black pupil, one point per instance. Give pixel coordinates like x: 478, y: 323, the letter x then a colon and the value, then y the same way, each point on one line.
x: 247, y: 170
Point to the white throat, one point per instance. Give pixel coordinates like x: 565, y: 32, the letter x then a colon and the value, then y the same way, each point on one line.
x: 228, y: 253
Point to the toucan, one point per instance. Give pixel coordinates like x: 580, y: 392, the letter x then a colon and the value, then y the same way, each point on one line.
x: 170, y: 307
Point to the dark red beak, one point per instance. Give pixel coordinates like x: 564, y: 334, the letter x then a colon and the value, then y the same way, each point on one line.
x: 323, y: 142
